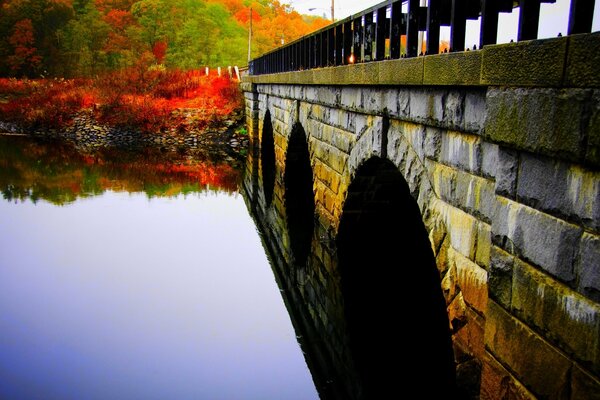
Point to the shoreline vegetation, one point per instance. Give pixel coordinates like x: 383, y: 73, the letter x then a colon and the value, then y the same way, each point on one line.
x: 154, y: 100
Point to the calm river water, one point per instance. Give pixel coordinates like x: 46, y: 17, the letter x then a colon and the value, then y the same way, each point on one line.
x: 133, y: 277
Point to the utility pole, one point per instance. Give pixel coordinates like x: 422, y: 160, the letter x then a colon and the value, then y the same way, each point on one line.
x: 250, y: 38
x: 332, y: 11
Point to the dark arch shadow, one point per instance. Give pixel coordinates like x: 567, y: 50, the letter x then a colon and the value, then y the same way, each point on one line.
x: 393, y: 303
x: 299, y: 197
x: 267, y: 158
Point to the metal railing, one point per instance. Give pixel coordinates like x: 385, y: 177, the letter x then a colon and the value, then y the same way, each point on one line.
x: 390, y: 30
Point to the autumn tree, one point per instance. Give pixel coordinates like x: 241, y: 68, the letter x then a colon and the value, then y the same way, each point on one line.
x: 24, y: 60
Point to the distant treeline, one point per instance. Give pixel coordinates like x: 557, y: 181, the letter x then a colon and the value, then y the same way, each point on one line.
x: 82, y: 38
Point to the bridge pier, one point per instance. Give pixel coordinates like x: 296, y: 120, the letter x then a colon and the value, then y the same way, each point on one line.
x: 503, y: 169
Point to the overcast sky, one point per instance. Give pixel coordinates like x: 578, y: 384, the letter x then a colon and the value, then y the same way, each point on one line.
x: 554, y: 17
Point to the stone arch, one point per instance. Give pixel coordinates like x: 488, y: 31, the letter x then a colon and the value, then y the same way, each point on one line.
x: 388, y: 273
x: 267, y: 158
x: 299, y: 196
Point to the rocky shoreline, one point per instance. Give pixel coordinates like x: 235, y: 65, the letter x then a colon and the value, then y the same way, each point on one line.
x: 87, y: 134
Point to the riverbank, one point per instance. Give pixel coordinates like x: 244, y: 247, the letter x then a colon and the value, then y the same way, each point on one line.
x: 128, y: 109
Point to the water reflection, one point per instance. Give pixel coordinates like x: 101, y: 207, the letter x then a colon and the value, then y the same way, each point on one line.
x: 146, y: 286
x: 58, y: 173
x: 366, y: 303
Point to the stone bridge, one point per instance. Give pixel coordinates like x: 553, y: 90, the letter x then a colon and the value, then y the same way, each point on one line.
x: 455, y: 195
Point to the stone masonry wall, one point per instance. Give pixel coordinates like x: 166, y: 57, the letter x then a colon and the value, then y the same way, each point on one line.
x: 508, y: 185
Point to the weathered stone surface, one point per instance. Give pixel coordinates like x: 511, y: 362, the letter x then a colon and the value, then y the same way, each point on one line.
x: 546, y: 241
x: 536, y: 364
x: 475, y: 111
x: 592, y: 152
x: 584, y: 385
x: 489, y: 159
x: 406, y: 71
x: 462, y: 68
x: 560, y: 189
x: 498, y: 383
x: 583, y: 58
x: 470, y: 335
x: 569, y: 319
x: 471, y: 279
x: 588, y: 267
x: 526, y: 63
x: 547, y: 121
x: 507, y: 165
x: 470, y: 192
x: 500, y: 276
x: 433, y: 142
x: 484, y: 245
x: 461, y: 150
x: 462, y: 227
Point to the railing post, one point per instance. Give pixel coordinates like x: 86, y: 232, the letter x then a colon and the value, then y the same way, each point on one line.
x: 489, y: 23
x: 358, y: 34
x: 529, y: 18
x: 433, y: 27
x: 368, y: 37
x: 331, y: 44
x: 382, y: 33
x: 458, y: 24
x: 347, y: 41
x: 412, y: 28
x: 396, y: 29
x: 339, y: 44
x: 581, y: 14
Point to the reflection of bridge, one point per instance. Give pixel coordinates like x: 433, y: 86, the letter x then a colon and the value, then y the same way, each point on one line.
x: 484, y: 164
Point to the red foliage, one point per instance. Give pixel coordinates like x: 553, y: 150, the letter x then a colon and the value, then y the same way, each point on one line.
x: 25, y: 53
x: 150, y: 100
x: 159, y: 50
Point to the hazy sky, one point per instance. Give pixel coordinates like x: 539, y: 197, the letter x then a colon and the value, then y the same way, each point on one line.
x: 554, y: 17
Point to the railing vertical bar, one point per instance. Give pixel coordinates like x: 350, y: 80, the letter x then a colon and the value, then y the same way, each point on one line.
x: 412, y: 28
x: 331, y: 45
x: 381, y: 33
x: 433, y: 27
x: 489, y: 23
x: 368, y: 37
x: 323, y: 48
x: 358, y: 34
x: 396, y: 29
x: 347, y: 42
x: 580, y: 16
x: 529, y: 18
x: 458, y: 25
x: 339, y: 44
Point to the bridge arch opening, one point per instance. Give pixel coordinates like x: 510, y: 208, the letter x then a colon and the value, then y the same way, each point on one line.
x: 299, y: 196
x: 389, y: 278
x: 267, y: 157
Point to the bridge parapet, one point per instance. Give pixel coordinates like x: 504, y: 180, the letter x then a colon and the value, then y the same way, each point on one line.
x: 505, y: 168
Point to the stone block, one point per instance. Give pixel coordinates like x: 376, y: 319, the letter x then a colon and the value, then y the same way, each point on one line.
x: 561, y: 189
x: 498, y: 383
x: 470, y: 336
x: 526, y: 63
x: 546, y: 241
x: 583, y: 58
x: 453, y: 105
x: 500, y: 276
x: 404, y: 71
x: 372, y: 100
x: 506, y: 172
x: 421, y: 104
x: 592, y: 152
x: 489, y: 159
x: 584, y: 385
x: 484, y: 245
x: 462, y: 227
x: 588, y: 266
x: 539, y: 366
x: 472, y: 281
x: 390, y: 102
x: 546, y: 121
x: 433, y: 142
x: 351, y: 97
x: 568, y: 319
x: 463, y: 68
x: 474, y: 111
x: 461, y: 150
